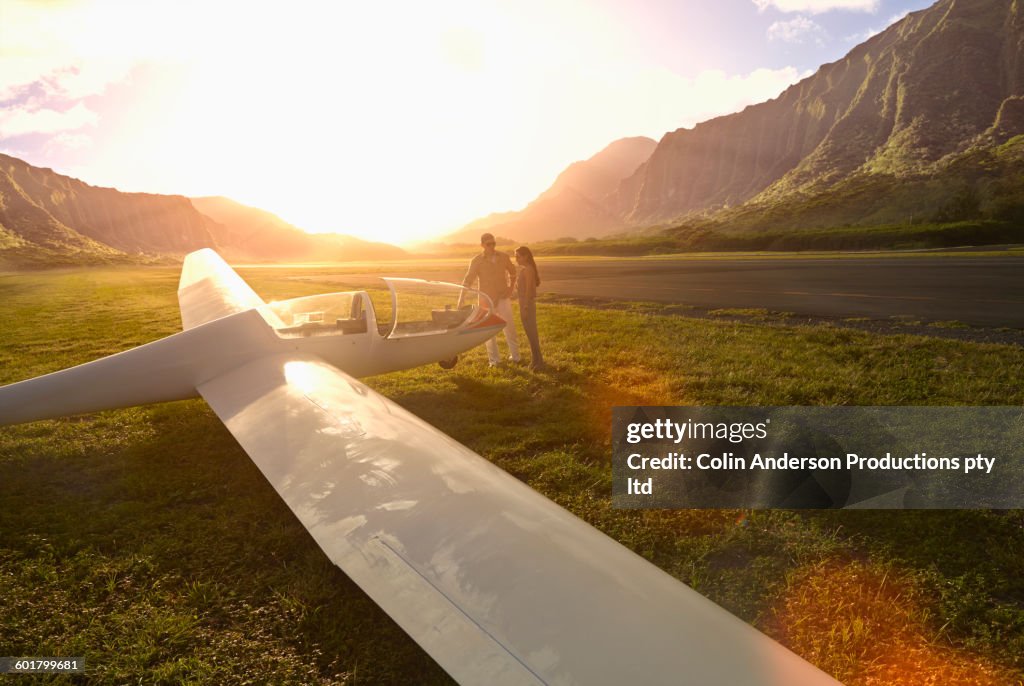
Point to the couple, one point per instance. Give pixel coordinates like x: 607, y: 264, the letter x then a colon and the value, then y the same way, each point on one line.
x: 500, y: 281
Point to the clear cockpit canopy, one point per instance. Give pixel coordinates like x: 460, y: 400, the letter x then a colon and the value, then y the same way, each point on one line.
x: 417, y: 308
x: 321, y: 315
x: 427, y: 307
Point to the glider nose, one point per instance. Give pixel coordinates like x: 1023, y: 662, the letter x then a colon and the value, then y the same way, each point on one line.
x: 491, y: 320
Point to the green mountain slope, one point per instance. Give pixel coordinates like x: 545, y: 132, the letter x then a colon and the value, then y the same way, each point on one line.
x: 891, y: 133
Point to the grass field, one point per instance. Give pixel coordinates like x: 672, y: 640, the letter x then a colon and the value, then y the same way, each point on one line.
x: 146, y: 540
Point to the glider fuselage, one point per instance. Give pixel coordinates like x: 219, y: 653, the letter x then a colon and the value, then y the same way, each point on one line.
x: 339, y: 328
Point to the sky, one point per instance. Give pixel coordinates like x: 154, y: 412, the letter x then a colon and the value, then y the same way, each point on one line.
x: 394, y: 120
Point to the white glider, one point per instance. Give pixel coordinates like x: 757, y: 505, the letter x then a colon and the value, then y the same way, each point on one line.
x: 493, y: 580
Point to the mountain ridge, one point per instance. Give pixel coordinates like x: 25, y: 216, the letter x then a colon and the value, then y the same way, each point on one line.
x: 63, y: 214
x: 902, y: 129
x: 574, y: 204
x: 51, y: 218
x: 901, y: 104
x: 254, y: 233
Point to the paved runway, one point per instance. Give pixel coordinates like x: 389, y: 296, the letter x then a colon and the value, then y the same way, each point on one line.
x: 981, y: 291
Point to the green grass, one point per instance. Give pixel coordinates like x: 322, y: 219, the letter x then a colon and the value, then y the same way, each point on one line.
x: 780, y: 237
x: 753, y: 313
x: 884, y: 237
x: 146, y: 539
x: 949, y: 324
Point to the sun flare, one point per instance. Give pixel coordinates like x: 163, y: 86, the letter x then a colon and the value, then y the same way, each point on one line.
x: 388, y: 123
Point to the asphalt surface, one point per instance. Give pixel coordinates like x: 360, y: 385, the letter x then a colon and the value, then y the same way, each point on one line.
x: 979, y: 291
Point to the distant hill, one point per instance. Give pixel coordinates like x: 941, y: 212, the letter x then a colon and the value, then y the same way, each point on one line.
x: 471, y: 231
x: 598, y: 176
x: 250, y: 233
x: 49, y: 219
x: 574, y: 205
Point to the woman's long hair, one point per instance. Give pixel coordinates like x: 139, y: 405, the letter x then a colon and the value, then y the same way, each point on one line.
x: 528, y: 254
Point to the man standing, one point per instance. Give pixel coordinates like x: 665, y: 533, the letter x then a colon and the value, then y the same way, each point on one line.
x: 497, y: 276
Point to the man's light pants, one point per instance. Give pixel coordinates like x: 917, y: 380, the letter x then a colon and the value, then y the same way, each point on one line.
x: 503, y: 308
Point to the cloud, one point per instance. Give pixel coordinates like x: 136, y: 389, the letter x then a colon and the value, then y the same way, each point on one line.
x: 66, y: 140
x: 715, y: 93
x: 47, y: 72
x: 818, y: 6
x: 44, y: 82
x: 60, y: 48
x: 797, y: 30
x: 19, y: 120
x: 58, y: 77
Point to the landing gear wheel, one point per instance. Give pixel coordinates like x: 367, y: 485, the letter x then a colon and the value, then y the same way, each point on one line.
x: 448, y: 364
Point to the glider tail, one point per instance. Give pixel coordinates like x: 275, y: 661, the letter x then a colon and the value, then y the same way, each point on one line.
x: 210, y: 289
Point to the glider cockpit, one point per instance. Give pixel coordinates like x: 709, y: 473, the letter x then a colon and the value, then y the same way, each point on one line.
x: 329, y: 314
x: 415, y: 308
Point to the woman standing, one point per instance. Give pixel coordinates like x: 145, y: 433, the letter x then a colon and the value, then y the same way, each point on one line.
x: 526, y: 288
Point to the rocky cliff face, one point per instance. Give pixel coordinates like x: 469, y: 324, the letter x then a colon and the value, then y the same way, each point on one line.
x: 930, y: 87
x: 42, y: 207
x: 48, y: 218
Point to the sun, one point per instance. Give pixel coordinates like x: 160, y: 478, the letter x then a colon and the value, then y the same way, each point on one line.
x: 390, y: 122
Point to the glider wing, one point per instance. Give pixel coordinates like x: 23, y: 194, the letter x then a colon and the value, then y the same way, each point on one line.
x: 496, y: 582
